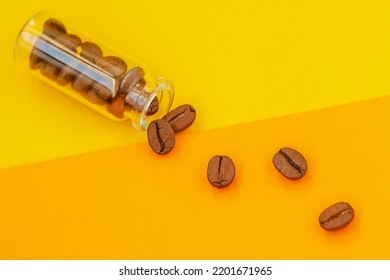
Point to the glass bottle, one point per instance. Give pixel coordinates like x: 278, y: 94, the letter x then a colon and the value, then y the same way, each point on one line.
x: 91, y: 72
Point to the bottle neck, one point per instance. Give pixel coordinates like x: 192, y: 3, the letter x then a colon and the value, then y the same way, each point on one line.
x: 148, y: 100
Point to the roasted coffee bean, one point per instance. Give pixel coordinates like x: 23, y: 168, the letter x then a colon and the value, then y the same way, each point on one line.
x: 49, y: 70
x: 70, y: 41
x: 91, y: 52
x: 153, y: 107
x: 53, y: 28
x: 220, y: 171
x: 66, y: 75
x: 181, y: 117
x: 35, y: 58
x: 336, y: 216
x: 290, y: 163
x: 103, y: 92
x: 130, y: 79
x: 37, y: 55
x: 82, y: 83
x: 92, y: 97
x: 113, y: 65
x: 161, y: 136
x: 117, y: 107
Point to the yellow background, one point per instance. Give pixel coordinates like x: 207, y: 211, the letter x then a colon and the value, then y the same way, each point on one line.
x: 250, y: 68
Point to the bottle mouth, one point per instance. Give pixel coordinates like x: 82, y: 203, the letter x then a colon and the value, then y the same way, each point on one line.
x: 158, y: 103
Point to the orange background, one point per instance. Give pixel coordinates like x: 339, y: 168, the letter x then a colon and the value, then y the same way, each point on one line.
x: 128, y: 203
x: 262, y: 75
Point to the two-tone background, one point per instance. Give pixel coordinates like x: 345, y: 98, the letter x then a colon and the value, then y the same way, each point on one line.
x: 262, y: 75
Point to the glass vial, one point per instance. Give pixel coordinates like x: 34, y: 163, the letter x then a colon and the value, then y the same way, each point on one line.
x: 91, y: 72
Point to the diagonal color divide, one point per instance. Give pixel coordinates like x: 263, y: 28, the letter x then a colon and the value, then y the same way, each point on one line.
x: 236, y: 63
x: 129, y: 203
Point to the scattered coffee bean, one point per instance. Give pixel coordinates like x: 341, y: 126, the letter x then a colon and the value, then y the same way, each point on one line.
x: 112, y: 64
x: 91, y: 52
x: 290, y: 163
x: 53, y: 28
x: 161, y: 136
x: 181, y: 117
x: 220, y: 171
x: 117, y: 107
x: 336, y: 216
